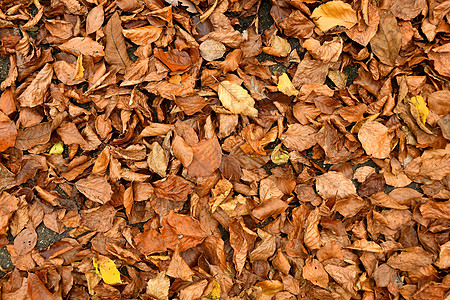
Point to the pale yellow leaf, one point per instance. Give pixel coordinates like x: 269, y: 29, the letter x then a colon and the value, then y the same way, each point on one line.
x: 236, y: 99
x: 57, y: 148
x: 158, y: 287
x: 285, y: 86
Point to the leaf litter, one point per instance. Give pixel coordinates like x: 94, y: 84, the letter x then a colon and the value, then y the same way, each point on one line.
x: 191, y: 150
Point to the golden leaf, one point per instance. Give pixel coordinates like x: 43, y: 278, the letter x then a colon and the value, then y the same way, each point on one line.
x: 79, y: 71
x: 236, y: 99
x: 220, y: 192
x: 421, y: 107
x: 107, y: 269
x: 279, y: 157
x: 57, y: 148
x: 285, y: 86
x: 334, y: 13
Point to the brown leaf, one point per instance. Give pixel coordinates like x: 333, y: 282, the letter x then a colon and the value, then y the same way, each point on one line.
x: 312, y: 234
x: 158, y: 287
x: 363, y: 33
x: 173, y: 188
x: 346, y: 277
x: 178, y: 268
x: 115, y: 50
x: 94, y: 19
x: 99, y: 218
x: 408, y: 9
x: 181, y: 231
x: 59, y: 28
x: 411, y: 259
x: 37, y: 290
x: 66, y: 72
x: 25, y: 241
x: 34, y: 93
x: 387, y: 41
x: 438, y: 103
x: 143, y: 35
x: 366, y: 245
x: 85, y: 46
x: 8, y: 205
x: 149, y: 242
x: 310, y: 71
x: 375, y: 139
x: 299, y: 137
x: 32, y: 136
x: 315, y: 272
x: 327, y: 52
x: 297, y: 25
x: 8, y: 132
x: 206, y: 148
x: 264, y: 248
x: 95, y: 188
x: 334, y: 184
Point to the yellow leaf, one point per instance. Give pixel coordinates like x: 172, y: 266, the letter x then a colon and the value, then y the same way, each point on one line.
x: 215, y: 292
x: 79, y: 71
x: 236, y: 99
x: 360, y: 123
x: 57, y: 148
x: 107, y: 269
x: 421, y: 107
x: 285, y: 86
x: 334, y: 13
x: 175, y: 79
x: 279, y: 157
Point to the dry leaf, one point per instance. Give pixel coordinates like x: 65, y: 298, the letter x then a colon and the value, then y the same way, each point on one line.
x: 115, y: 50
x: 314, y: 272
x: 158, y: 287
x: 34, y: 93
x: 387, y: 41
x: 285, y: 86
x: 211, y: 50
x: 236, y: 99
x: 95, y: 188
x: 375, y: 139
x: 143, y: 35
x: 334, y: 13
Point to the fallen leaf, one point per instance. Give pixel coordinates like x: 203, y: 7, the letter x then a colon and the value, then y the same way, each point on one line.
x: 115, y: 50
x: 8, y: 132
x: 375, y: 139
x: 95, y: 188
x: 158, y: 287
x: 315, y: 272
x: 212, y: 50
x: 107, y: 269
x: 334, y: 13
x: 206, y: 148
x: 143, y: 35
x: 236, y: 99
x: 334, y: 184
x: 94, y: 19
x: 387, y: 41
x: 34, y: 93
x: 421, y: 107
x: 285, y: 86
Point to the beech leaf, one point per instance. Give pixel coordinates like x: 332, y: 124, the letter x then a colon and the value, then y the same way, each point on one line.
x: 236, y: 99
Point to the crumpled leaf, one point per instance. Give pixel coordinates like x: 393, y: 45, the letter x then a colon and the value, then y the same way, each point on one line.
x: 157, y: 160
x: 219, y: 193
x: 334, y: 13
x: 107, y: 269
x: 285, y: 86
x: 236, y: 99
x: 327, y: 52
